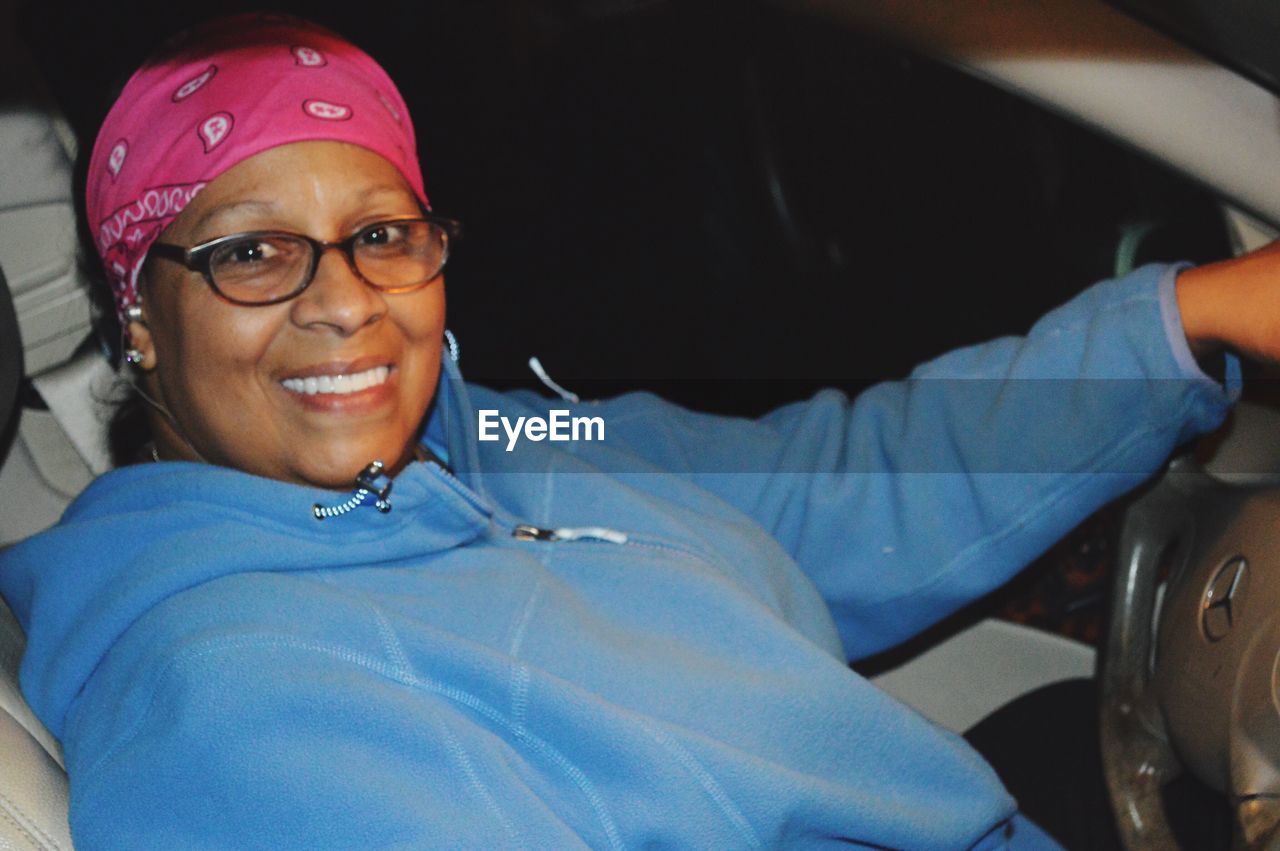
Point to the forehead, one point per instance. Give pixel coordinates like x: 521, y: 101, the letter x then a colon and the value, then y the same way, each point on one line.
x: 297, y: 178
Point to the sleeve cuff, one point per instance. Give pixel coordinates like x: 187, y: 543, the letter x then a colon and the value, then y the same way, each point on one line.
x: 1231, y: 382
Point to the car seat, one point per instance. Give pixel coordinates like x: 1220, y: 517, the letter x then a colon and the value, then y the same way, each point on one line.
x: 44, y: 314
x: 33, y: 783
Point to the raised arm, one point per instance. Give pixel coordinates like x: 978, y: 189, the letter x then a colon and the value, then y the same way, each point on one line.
x: 921, y: 495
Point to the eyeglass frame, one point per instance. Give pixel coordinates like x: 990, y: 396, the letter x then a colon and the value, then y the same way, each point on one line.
x: 199, y: 258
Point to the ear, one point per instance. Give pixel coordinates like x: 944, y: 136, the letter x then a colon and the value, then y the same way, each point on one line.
x: 139, y: 338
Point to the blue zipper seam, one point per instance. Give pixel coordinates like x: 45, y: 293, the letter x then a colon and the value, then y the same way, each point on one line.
x: 460, y: 488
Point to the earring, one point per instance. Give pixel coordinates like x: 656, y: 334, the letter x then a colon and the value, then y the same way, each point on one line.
x: 133, y: 313
x: 133, y: 356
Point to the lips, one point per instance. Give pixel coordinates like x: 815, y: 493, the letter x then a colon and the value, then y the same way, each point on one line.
x: 337, y: 383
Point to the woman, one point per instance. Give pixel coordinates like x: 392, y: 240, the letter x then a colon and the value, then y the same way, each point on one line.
x: 640, y: 640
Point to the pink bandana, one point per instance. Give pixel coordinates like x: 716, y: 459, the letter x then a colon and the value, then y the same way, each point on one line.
x: 215, y: 96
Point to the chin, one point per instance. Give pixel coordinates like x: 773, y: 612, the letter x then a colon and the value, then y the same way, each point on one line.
x: 337, y: 469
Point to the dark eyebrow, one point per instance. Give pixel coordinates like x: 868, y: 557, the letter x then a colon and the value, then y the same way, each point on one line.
x: 268, y: 206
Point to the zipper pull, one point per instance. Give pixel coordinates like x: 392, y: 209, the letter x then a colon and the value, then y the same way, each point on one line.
x: 526, y: 532
x: 373, y: 486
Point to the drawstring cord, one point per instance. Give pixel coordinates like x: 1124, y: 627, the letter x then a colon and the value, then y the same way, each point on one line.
x: 536, y: 366
x: 373, y: 486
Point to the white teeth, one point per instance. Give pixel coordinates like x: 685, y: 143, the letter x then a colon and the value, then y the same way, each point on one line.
x: 337, y: 384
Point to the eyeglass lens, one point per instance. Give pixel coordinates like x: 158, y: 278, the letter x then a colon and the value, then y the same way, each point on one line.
x: 390, y: 256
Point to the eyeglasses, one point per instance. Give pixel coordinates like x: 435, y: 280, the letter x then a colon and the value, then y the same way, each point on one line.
x: 268, y: 267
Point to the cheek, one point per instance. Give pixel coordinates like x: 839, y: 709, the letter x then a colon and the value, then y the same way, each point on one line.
x: 215, y: 355
x: 421, y: 322
x: 426, y: 311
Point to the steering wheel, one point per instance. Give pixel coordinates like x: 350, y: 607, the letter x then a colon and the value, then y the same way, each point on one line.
x: 1208, y: 698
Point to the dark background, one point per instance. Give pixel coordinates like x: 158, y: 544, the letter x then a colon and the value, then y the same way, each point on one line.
x: 722, y: 201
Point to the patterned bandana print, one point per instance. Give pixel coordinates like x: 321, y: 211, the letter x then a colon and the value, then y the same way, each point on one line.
x: 215, y: 96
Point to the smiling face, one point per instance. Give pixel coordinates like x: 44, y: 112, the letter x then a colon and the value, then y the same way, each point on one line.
x: 236, y: 378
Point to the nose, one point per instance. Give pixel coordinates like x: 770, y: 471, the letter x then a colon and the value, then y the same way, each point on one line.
x: 338, y: 299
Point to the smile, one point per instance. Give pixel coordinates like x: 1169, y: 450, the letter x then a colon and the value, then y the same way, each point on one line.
x: 337, y: 384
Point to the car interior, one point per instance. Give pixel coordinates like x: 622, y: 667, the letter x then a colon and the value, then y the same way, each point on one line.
x: 729, y: 204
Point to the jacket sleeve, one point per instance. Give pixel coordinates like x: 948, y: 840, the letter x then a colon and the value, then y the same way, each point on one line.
x: 921, y: 495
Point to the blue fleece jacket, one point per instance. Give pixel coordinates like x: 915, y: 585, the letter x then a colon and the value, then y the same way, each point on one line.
x: 225, y: 671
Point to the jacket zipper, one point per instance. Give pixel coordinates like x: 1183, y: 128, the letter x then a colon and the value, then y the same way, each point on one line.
x: 373, y: 487
x: 528, y: 532
x: 460, y: 488
x: 531, y: 532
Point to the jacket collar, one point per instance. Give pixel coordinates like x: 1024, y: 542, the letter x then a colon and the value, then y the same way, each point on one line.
x: 451, y: 429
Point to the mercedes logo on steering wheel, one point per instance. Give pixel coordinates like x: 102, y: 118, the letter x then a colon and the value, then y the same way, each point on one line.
x: 1223, y: 599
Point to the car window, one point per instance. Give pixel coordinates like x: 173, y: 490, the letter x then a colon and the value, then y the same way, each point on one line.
x: 770, y: 197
